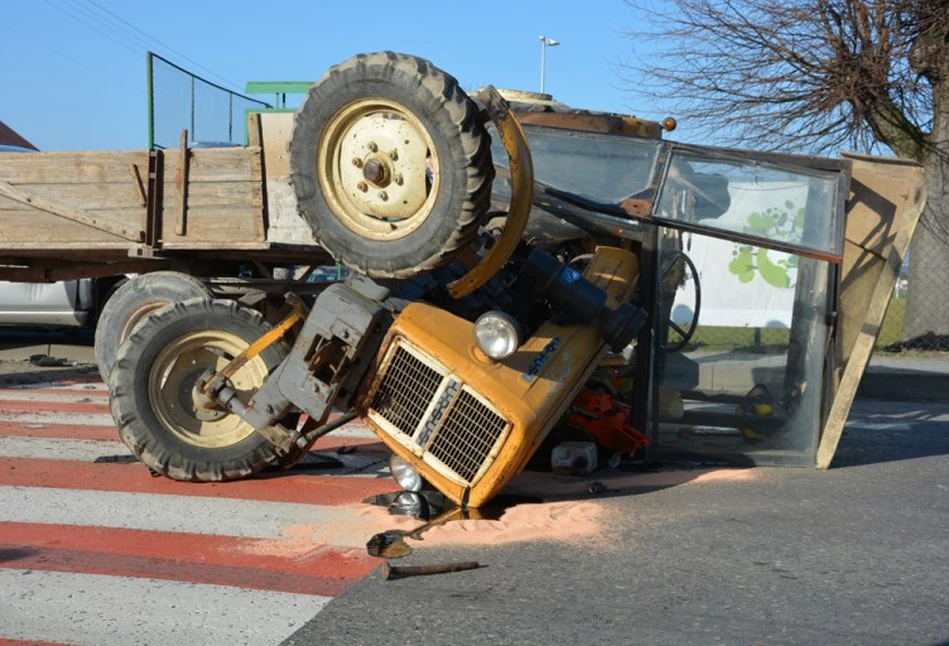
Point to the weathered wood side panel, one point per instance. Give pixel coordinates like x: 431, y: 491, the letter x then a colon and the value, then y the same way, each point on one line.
x: 887, y: 197
x: 286, y: 225
x: 223, y: 202
x: 100, y: 184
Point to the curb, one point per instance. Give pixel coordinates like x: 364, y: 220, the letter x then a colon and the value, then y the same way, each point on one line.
x: 889, y: 383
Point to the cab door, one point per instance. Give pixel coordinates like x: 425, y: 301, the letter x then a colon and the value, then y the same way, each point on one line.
x: 745, y: 256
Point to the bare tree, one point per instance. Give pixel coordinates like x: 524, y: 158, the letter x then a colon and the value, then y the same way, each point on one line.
x: 816, y: 76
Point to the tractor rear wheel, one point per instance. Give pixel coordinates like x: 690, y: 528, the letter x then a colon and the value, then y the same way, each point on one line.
x: 391, y: 165
x: 163, y: 416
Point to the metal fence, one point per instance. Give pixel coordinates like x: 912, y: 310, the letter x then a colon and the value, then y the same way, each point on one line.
x: 914, y: 322
x: 179, y: 99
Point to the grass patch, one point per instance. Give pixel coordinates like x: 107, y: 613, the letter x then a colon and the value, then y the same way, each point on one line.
x: 892, y: 327
x: 709, y: 337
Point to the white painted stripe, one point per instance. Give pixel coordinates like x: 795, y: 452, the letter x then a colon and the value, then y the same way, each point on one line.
x: 356, y: 428
x: 60, y: 449
x: 58, y: 385
x: 879, y: 426
x: 190, y: 515
x: 54, y: 417
x: 358, y: 465
x: 65, y: 396
x: 106, y: 610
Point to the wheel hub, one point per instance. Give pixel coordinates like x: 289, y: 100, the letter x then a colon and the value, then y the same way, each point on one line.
x: 376, y: 164
x: 377, y: 172
x: 205, y: 408
x: 175, y: 381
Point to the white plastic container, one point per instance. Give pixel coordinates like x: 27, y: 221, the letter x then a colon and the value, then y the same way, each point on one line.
x: 574, y: 458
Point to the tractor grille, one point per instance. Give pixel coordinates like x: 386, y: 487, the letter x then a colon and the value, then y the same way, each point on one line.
x: 405, y: 391
x: 468, y: 433
x: 417, y: 399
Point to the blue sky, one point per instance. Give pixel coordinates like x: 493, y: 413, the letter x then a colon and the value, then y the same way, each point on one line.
x: 73, y: 75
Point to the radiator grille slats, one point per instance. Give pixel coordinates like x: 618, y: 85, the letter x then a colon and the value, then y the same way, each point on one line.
x: 460, y: 430
x: 467, y: 435
x: 405, y: 391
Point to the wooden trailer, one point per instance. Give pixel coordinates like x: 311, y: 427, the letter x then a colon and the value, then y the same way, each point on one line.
x: 204, y: 211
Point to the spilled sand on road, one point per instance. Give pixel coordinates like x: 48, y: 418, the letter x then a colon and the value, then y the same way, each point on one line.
x: 572, y: 522
x: 565, y: 513
x: 568, y: 513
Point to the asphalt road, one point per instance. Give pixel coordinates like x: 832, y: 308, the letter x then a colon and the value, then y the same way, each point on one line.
x: 854, y: 555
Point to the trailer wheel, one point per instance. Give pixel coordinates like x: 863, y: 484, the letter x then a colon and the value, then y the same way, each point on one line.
x: 132, y: 302
x: 390, y: 164
x: 162, y: 416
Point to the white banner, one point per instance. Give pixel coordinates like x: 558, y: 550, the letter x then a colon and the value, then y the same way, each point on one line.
x: 743, y: 285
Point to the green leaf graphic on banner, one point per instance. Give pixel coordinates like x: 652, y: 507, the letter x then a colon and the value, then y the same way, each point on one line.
x: 773, y: 273
x: 777, y: 224
x: 743, y: 264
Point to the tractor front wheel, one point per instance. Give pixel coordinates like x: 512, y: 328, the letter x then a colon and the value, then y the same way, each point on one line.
x: 156, y: 400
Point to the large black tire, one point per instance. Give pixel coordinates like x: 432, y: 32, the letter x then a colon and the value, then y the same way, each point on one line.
x: 132, y: 302
x: 153, y: 401
x: 349, y: 215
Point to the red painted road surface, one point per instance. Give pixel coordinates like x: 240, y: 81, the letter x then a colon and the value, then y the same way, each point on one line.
x: 83, y: 528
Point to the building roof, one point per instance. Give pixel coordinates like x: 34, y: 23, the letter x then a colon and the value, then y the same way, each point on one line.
x: 10, y: 137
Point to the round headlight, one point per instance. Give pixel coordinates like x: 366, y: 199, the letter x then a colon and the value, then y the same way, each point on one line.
x: 409, y: 503
x: 497, y: 335
x: 407, y: 477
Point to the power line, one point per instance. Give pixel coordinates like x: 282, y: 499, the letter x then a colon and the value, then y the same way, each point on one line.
x: 92, y: 27
x: 120, y: 31
x: 166, y: 46
x: 69, y: 58
x: 97, y: 18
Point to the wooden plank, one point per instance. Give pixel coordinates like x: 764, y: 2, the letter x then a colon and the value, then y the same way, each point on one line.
x: 139, y: 184
x: 276, y: 128
x: 215, y: 164
x: 76, y: 167
x: 284, y: 222
x: 181, y: 185
x: 40, y: 228
x: 254, y: 132
x: 257, y: 196
x: 224, y: 197
x: 153, y: 210
x: 236, y: 195
x: 211, y: 224
x: 886, y: 196
x: 112, y: 198
x: 193, y: 245
x: 91, y: 247
x: 69, y: 213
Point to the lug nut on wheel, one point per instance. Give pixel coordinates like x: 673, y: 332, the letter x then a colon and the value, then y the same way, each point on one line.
x: 362, y: 186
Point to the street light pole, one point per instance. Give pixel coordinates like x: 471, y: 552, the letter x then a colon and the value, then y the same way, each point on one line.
x: 544, y: 44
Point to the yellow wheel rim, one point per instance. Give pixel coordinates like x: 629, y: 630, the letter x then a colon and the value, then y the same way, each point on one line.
x: 378, y: 169
x: 176, y: 400
x: 138, y: 316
